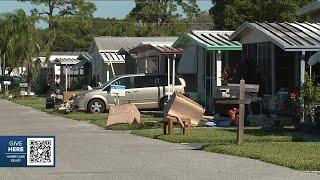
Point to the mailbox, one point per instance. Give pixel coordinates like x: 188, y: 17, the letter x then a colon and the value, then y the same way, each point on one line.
x: 229, y: 92
x: 232, y: 91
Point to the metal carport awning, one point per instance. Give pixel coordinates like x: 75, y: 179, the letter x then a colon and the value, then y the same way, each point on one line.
x: 210, y: 40
x: 84, y: 58
x: 166, y: 49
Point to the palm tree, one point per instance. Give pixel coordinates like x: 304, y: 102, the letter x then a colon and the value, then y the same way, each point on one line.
x: 21, y: 44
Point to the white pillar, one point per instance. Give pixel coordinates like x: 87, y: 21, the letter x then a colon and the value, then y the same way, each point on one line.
x: 173, y: 72
x: 302, y: 67
x: 310, y: 70
x: 219, y: 68
x: 108, y: 76
x: 145, y: 66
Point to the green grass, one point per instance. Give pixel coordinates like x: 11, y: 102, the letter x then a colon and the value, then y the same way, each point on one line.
x: 34, y: 102
x: 296, y: 155
x: 282, y: 148
x: 97, y: 119
x: 220, y: 136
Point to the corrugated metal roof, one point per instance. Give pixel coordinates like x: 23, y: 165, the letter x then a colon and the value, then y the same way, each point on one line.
x: 288, y: 36
x: 211, y: 40
x: 112, y: 57
x: 85, y: 56
x: 115, y: 43
x: 83, y: 59
x: 162, y: 47
x: 309, y: 9
x: 66, y: 61
x: 61, y: 53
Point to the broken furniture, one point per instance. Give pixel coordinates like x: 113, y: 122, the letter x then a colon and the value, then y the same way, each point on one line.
x: 123, y: 114
x: 169, y: 122
x: 67, y: 95
x: 182, y: 110
x: 53, y: 101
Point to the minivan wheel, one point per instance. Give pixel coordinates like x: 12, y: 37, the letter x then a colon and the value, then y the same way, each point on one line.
x: 96, y: 106
x: 163, y: 102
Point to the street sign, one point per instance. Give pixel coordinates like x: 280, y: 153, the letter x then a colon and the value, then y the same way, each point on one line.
x: 7, y: 82
x: 118, y: 90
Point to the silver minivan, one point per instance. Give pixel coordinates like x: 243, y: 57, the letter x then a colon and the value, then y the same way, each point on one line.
x: 146, y: 91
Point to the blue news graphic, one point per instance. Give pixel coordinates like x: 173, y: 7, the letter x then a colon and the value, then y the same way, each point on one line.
x: 27, y: 151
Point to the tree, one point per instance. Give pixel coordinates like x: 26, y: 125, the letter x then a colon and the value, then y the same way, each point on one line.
x: 190, y: 8
x: 21, y: 44
x: 57, y: 10
x: 10, y: 26
x: 162, y: 17
x: 157, y: 12
x: 60, y: 8
x: 230, y: 14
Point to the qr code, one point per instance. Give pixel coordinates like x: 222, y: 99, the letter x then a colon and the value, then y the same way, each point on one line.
x: 40, y: 151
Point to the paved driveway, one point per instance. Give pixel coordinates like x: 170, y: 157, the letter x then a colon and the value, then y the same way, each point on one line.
x: 85, y: 151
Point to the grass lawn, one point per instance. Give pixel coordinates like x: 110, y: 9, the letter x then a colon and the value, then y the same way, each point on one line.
x: 296, y: 155
x: 35, y: 102
x: 282, y: 148
x: 220, y: 136
x: 97, y: 119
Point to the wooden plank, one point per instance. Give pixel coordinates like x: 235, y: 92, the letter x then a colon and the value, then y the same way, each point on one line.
x: 165, y: 126
x: 240, y: 132
x: 189, y: 126
x: 170, y: 125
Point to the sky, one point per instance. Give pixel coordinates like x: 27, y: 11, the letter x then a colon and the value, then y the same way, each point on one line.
x: 105, y: 8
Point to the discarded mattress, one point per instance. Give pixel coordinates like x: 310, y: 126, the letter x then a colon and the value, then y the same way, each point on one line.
x: 181, y: 106
x: 123, y: 114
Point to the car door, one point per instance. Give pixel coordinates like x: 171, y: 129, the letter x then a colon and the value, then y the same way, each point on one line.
x: 145, y: 94
x: 124, y: 81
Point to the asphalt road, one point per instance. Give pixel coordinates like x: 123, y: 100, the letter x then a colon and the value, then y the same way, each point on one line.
x: 85, y: 151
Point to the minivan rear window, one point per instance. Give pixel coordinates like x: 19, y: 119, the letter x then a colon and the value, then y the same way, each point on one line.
x: 163, y: 80
x: 144, y: 81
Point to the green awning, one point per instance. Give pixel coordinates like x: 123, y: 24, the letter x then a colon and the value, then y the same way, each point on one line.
x: 210, y: 40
